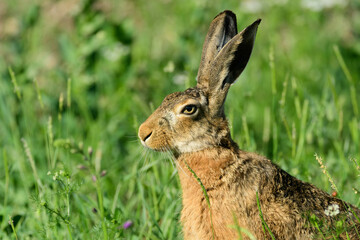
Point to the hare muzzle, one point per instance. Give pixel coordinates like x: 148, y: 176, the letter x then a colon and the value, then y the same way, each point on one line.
x: 152, y: 134
x: 144, y: 134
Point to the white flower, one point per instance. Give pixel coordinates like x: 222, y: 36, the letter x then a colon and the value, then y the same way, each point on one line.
x: 180, y: 78
x: 55, y: 176
x: 170, y: 67
x: 332, y: 210
x: 115, y: 51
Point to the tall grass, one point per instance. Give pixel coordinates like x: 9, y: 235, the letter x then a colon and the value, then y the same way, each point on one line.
x: 78, y: 77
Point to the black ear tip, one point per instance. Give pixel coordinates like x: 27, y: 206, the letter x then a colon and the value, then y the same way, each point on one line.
x: 226, y: 12
x: 251, y: 30
x: 229, y: 12
x: 258, y: 21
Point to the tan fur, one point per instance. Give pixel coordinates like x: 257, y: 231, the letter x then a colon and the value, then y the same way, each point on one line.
x: 219, y: 172
x: 192, y: 125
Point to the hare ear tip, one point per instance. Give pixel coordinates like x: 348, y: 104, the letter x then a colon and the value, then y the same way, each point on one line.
x: 258, y: 21
x: 253, y: 27
x: 226, y: 12
x: 229, y: 12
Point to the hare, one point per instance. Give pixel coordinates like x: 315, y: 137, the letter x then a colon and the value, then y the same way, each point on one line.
x: 192, y: 125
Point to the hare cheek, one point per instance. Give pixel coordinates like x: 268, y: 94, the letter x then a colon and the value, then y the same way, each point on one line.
x: 171, y: 119
x: 159, y: 141
x: 191, y: 138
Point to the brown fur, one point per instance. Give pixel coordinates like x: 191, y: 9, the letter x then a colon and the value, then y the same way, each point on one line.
x: 200, y: 140
x: 232, y: 181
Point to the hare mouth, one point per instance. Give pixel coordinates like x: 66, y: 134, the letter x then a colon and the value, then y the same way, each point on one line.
x: 156, y: 148
x: 144, y: 144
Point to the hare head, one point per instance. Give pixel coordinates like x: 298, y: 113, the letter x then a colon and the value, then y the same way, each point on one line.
x: 194, y: 120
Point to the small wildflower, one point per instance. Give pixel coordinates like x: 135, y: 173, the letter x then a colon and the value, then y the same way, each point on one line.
x: 61, y: 172
x: 103, y: 173
x: 127, y: 224
x: 180, y: 78
x: 55, y: 176
x: 170, y: 67
x: 82, y: 167
x: 90, y: 151
x: 93, y: 178
x: 332, y: 210
x: 48, y: 173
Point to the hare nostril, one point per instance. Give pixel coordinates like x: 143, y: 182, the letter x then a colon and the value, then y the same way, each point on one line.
x: 145, y: 132
x: 145, y: 138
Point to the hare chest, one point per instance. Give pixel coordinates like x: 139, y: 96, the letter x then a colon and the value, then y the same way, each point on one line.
x: 231, y: 185
x: 201, y: 221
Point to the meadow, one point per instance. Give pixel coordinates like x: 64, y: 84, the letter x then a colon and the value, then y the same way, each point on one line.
x: 78, y: 77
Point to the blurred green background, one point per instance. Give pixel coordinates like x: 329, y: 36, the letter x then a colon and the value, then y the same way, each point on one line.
x: 79, y: 76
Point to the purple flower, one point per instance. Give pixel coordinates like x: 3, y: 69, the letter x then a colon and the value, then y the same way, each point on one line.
x: 90, y: 151
x: 82, y: 167
x: 127, y: 224
x: 93, y: 177
x: 103, y: 173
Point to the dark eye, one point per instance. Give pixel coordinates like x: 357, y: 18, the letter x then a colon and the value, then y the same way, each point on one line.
x: 189, y: 109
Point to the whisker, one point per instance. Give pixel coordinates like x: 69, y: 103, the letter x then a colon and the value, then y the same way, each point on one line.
x: 131, y: 136
x: 146, y: 157
x: 169, y: 156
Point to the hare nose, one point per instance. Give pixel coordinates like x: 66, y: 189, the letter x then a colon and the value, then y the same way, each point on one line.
x: 147, y: 137
x: 144, y: 132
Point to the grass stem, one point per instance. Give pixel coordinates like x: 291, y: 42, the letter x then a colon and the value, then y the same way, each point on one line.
x: 101, y: 207
x: 11, y: 222
x: 264, y: 224
x: 206, y: 197
x: 7, y: 178
x: 350, y: 80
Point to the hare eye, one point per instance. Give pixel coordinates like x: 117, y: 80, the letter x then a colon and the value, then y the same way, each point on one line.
x: 189, y: 109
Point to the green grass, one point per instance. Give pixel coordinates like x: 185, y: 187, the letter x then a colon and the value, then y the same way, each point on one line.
x: 79, y: 77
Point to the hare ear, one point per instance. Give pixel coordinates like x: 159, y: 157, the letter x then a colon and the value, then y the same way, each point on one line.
x: 221, y: 30
x: 227, y: 66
